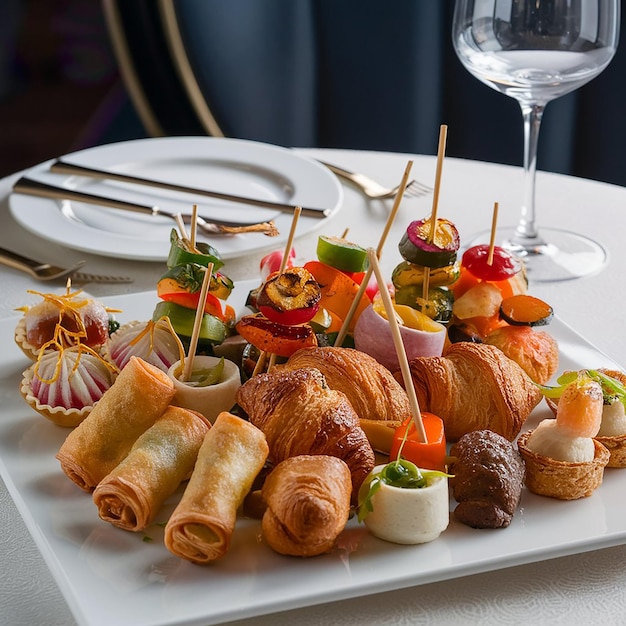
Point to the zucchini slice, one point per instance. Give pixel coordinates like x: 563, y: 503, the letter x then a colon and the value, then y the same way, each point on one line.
x: 525, y: 310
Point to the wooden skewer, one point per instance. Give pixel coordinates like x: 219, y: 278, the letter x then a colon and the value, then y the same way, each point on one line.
x: 343, y: 331
x: 193, y: 343
x: 399, y: 345
x: 492, y: 240
x: 181, y: 226
x: 283, y: 265
x: 194, y: 224
x: 441, y: 151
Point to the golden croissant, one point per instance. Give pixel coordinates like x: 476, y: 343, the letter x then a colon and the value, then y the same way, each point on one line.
x: 308, y: 504
x: 371, y: 389
x: 300, y: 414
x: 475, y: 386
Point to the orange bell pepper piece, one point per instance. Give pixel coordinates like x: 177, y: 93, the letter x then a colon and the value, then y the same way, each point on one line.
x: 429, y: 455
x: 338, y: 290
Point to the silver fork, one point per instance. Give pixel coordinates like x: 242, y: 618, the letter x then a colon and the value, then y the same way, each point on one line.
x: 46, y: 271
x: 375, y: 190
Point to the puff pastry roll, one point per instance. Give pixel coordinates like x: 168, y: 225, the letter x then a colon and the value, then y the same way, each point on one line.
x: 132, y: 494
x: 232, y: 454
x: 300, y: 414
x: 475, y: 386
x: 371, y: 389
x: 137, y: 398
x: 308, y: 504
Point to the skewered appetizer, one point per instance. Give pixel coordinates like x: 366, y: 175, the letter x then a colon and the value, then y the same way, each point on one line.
x: 429, y: 255
x: 563, y: 460
x: 179, y: 291
x: 483, y: 283
x: 286, y: 302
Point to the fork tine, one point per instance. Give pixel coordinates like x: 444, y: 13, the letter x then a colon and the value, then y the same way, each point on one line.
x: 415, y: 189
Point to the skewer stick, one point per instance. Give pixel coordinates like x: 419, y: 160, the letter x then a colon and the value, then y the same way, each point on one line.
x: 441, y: 151
x: 492, y: 241
x: 181, y: 226
x: 345, y: 233
x: 343, y: 331
x: 193, y: 343
x: 399, y: 345
x: 194, y: 224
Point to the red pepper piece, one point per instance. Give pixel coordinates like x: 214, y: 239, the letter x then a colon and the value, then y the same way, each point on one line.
x: 279, y: 339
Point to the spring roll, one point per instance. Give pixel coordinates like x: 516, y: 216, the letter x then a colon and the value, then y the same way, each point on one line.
x: 137, y: 398
x: 132, y: 494
x: 231, y: 456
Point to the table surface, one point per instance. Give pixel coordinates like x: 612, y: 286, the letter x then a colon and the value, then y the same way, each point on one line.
x: 588, y: 587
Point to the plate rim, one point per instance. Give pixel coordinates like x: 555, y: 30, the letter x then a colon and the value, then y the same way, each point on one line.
x: 84, y: 236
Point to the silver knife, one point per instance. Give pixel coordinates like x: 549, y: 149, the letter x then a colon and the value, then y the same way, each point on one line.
x: 63, y: 167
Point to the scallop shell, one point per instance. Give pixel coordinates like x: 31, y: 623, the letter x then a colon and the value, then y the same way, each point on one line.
x: 64, y: 385
x: 158, y: 347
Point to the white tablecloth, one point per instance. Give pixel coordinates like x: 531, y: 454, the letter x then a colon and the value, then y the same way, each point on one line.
x: 586, y: 588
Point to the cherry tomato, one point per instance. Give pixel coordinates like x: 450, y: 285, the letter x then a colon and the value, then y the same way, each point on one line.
x: 503, y: 266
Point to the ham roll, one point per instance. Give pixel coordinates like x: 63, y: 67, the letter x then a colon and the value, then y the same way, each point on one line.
x: 137, y: 398
x: 132, y: 494
x: 231, y: 456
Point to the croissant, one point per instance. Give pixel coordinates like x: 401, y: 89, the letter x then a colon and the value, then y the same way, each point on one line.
x: 371, y: 389
x: 308, y: 504
x: 300, y: 414
x: 475, y: 386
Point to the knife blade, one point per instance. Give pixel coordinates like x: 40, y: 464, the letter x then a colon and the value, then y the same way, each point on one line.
x: 63, y: 167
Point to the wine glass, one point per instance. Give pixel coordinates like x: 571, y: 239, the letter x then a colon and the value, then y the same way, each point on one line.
x: 536, y: 51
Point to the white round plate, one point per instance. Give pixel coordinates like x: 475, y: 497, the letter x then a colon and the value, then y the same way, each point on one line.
x: 244, y: 168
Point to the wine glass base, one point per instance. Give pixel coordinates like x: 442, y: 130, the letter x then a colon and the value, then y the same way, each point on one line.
x: 566, y: 256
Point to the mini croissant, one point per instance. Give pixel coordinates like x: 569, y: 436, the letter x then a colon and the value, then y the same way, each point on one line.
x: 308, y: 504
x: 475, y: 386
x: 371, y: 389
x: 300, y: 414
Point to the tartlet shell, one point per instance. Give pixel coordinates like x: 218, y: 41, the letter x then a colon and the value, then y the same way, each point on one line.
x: 560, y: 479
x: 67, y: 418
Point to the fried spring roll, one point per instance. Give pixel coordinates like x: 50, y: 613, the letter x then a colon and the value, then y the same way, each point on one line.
x: 137, y: 398
x: 232, y: 454
x: 132, y: 494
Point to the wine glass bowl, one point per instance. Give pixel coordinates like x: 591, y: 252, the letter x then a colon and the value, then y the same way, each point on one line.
x: 535, y: 51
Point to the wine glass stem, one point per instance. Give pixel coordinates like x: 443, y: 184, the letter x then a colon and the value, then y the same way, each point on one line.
x: 526, y: 229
